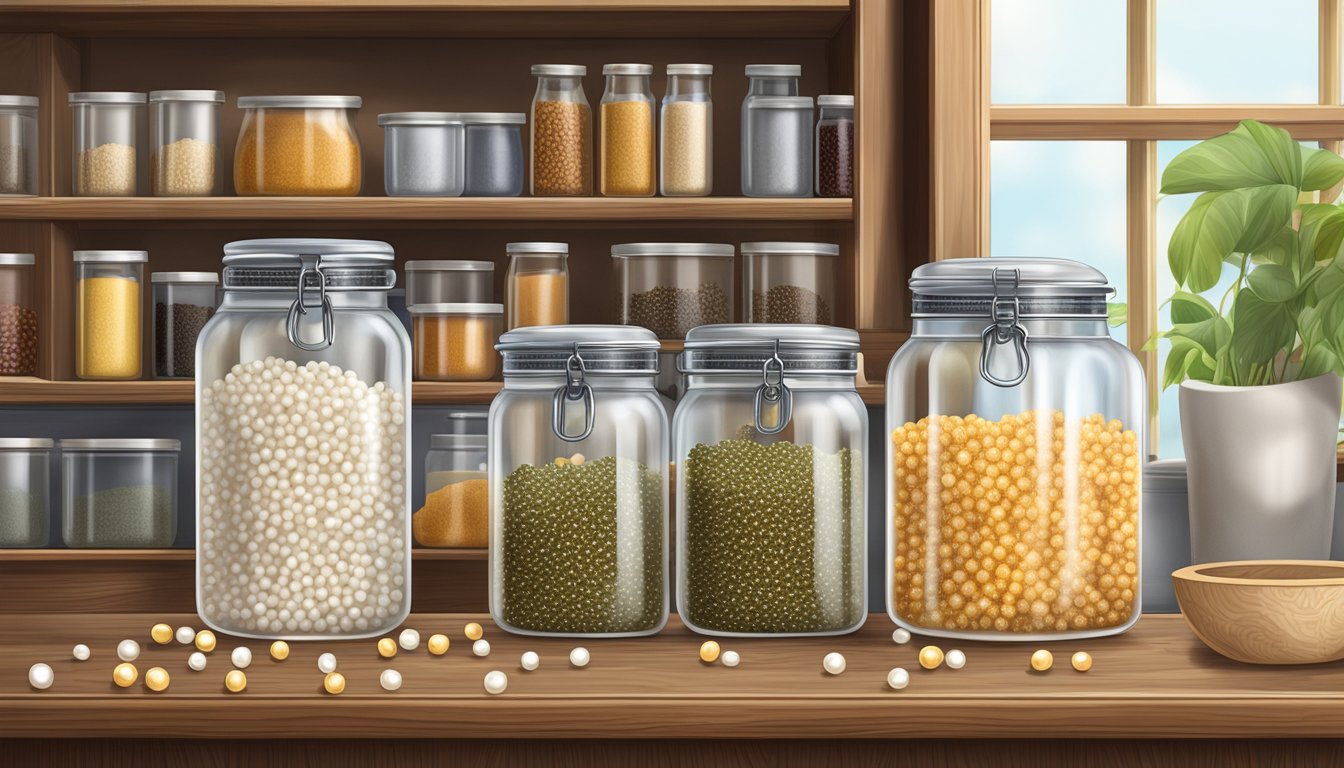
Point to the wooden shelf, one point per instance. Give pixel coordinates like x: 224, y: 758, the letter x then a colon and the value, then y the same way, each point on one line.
x: 182, y: 554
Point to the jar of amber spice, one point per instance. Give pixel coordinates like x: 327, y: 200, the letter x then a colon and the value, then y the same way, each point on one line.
x: 537, y: 284
x: 456, y: 342
x: 298, y: 145
x: 562, y: 129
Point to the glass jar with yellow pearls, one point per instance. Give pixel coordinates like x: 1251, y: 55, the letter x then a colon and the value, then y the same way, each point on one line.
x: 1015, y: 445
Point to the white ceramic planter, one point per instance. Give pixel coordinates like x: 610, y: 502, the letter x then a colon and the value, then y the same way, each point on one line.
x: 1261, y: 466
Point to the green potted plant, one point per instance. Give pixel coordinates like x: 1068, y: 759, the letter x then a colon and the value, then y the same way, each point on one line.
x: 1258, y: 358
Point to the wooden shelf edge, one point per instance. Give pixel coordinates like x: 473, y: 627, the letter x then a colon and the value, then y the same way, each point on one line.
x: 188, y: 555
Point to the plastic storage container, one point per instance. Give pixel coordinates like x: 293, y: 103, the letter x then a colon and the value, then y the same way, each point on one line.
x: 303, y: 455
x: 18, y: 315
x: 1015, y: 430
x: 629, y: 153
x: 107, y: 313
x: 107, y: 129
x: 298, y: 145
x: 1166, y: 533
x: 578, y: 484
x: 184, y: 141
x: 562, y: 132
x: 119, y: 492
x: 457, y: 503
x: 456, y: 342
x: 671, y: 288
x: 18, y: 145
x: 183, y: 303
x: 449, y: 282
x: 777, y: 157
x: 494, y: 153
x: 537, y: 284
x: 835, y: 146
x: 789, y: 282
x: 25, y: 499
x: 423, y: 153
x: 770, y: 442
x: 686, y: 133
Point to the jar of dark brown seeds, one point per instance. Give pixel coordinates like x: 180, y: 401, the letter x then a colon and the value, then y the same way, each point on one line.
x: 835, y: 146
x: 18, y: 315
x: 671, y: 288
x: 183, y: 303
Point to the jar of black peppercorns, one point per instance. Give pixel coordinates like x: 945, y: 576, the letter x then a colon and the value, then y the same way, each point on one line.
x: 18, y: 316
x: 835, y: 146
x: 183, y: 303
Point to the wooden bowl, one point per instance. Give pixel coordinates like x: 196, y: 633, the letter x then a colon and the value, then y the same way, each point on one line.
x: 1266, y: 611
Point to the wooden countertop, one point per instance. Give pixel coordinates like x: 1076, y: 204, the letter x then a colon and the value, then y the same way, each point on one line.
x: 1156, y: 681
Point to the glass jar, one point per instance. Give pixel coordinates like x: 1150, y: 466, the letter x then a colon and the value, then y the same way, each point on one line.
x: 562, y: 131
x: 298, y: 145
x: 107, y: 313
x: 686, y: 133
x: 765, y: 80
x: 18, y: 315
x: 183, y: 303
x: 456, y: 342
x: 25, y: 486
x: 777, y: 157
x: 472, y: 422
x: 303, y: 406
x: 18, y: 145
x: 119, y: 492
x: 835, y: 146
x: 106, y: 131
x: 423, y: 153
x: 578, y: 484
x: 449, y: 282
x: 671, y: 288
x: 494, y: 153
x: 1015, y: 430
x: 537, y: 284
x: 628, y: 149
x: 770, y: 442
x: 789, y: 282
x: 183, y: 136
x: 457, y: 503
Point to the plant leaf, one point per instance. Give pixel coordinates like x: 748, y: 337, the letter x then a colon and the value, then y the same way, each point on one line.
x: 1273, y: 283
x: 1259, y: 329
x: 1318, y: 360
x: 1221, y: 223
x: 1117, y: 313
x: 1251, y: 155
x: 1321, y: 168
x: 1280, y: 149
x: 1178, y: 362
x: 1209, y: 335
x: 1189, y: 307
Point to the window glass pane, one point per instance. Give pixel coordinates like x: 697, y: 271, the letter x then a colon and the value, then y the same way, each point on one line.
x: 1236, y: 52
x: 1057, y: 51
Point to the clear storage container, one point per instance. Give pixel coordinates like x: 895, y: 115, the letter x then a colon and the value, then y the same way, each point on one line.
x: 765, y: 80
x: 494, y: 153
x: 25, y: 483
x: 298, y: 145
x: 456, y: 342
x: 183, y: 303
x: 789, y: 282
x: 423, y: 153
x: 1015, y: 430
x: 302, y: 420
x: 562, y: 132
x: 107, y: 313
x: 18, y: 145
x: 18, y: 315
x: 457, y: 503
x: 578, y: 484
x: 537, y: 284
x: 119, y: 492
x: 835, y: 146
x: 777, y: 158
x: 107, y: 127
x: 770, y: 442
x: 629, y: 153
x: 471, y: 422
x: 671, y: 288
x: 184, y: 140
x: 449, y: 282
x: 686, y: 133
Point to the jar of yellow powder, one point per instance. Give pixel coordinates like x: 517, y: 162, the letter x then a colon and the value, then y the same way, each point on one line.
x: 537, y: 284
x: 628, y: 153
x: 457, y: 505
x: 298, y: 145
x: 108, y: 313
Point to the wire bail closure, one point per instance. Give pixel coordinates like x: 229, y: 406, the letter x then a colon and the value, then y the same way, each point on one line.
x: 1005, y: 328
x: 300, y: 307
x: 574, y: 389
x: 773, y: 393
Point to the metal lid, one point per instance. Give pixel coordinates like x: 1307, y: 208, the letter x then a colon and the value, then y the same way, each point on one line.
x: 300, y: 102
x: 16, y: 259
x: 748, y: 346
x: 107, y: 97
x: 774, y: 70
x: 198, y: 278
x: 559, y: 70
x: 513, y: 249
x: 461, y: 441
x: 26, y: 443
x: 790, y: 249
x: 420, y: 118
x: 627, y: 69
x: 547, y: 349
x: 212, y: 97
x: 461, y: 308
x: 449, y: 266
x: 122, y: 444
x: 481, y: 414
x: 282, y: 248
x: 835, y: 100
x: 1041, y: 287
x: 111, y: 257
x: 276, y: 264
x: 690, y: 69
x: 494, y: 118
x: 780, y: 102
x: 717, y: 250
x: 18, y: 101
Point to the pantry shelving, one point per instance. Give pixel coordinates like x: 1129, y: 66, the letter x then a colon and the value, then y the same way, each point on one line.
x: 50, y: 555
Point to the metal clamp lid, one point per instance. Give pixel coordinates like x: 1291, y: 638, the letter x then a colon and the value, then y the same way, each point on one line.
x: 574, y: 389
x: 774, y: 393
x: 313, y: 265
x: 1006, y: 327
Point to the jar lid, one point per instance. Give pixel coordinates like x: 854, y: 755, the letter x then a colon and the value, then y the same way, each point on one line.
x: 790, y: 249
x: 26, y: 443
x: 481, y: 414
x: 18, y: 101
x: 1042, y: 287
x: 553, y: 248
x: 774, y: 70
x: 121, y: 444
x: 808, y: 349
x: 211, y: 97
x: 690, y: 69
x: 458, y: 442
x: 420, y: 118
x: 111, y: 257
x: 274, y: 264
x: 835, y: 100
x: 16, y: 259
x: 1164, y: 475
x: 107, y: 97
x: 494, y: 118
x: 460, y: 308
x: 605, y: 349
x: 717, y: 250
x: 559, y: 70
x: 780, y: 102
x: 627, y: 69
x: 450, y: 266
x: 300, y: 102
x: 195, y: 278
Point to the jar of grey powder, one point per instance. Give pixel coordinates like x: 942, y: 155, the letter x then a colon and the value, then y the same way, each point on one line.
x: 494, y: 157
x: 422, y: 153
x: 777, y: 157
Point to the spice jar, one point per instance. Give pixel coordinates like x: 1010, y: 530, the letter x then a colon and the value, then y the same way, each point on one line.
x: 578, y: 484
x: 18, y: 315
x: 537, y: 284
x: 107, y: 313
x: 456, y: 342
x: 449, y: 282
x: 25, y: 482
x: 18, y: 145
x: 183, y: 137
x: 298, y: 145
x: 835, y: 146
x: 790, y: 282
x: 183, y: 303
x: 562, y: 129
x: 303, y: 411
x: 457, y: 504
x: 671, y: 288
x: 770, y: 441
x: 686, y: 167
x: 1015, y: 431
x: 494, y: 153
x: 765, y: 80
x: 119, y: 492
x: 422, y: 153
x: 628, y: 150
x: 777, y: 157
x: 106, y: 132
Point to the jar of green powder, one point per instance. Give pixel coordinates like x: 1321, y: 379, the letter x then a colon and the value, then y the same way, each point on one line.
x: 25, y: 504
